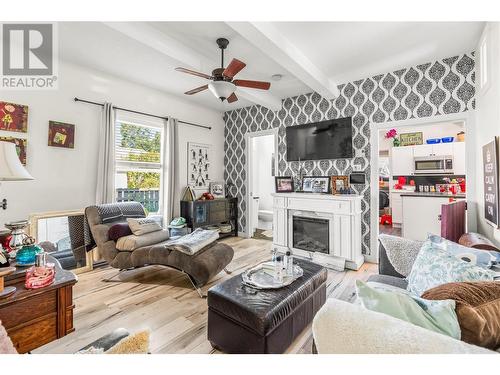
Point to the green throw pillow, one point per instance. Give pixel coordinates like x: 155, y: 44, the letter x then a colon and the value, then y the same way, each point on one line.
x: 435, y: 266
x: 437, y: 316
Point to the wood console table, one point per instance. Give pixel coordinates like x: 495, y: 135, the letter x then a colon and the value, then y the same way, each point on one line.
x: 36, y: 317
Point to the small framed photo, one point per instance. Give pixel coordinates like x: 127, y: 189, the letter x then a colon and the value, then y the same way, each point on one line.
x: 217, y: 189
x: 339, y: 183
x: 284, y: 184
x: 314, y: 184
x: 61, y: 134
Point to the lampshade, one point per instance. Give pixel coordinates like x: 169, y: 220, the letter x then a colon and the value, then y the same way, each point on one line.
x: 222, y: 89
x: 11, y: 168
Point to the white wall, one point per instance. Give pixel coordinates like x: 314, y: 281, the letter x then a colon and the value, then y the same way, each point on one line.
x: 64, y: 178
x: 263, y: 180
x: 487, y: 116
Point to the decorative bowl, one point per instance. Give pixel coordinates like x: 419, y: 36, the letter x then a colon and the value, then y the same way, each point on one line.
x: 262, y: 277
x: 433, y: 141
x: 447, y: 139
x: 27, y: 254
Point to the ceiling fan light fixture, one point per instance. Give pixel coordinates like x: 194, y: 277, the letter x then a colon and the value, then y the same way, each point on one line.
x: 222, y: 89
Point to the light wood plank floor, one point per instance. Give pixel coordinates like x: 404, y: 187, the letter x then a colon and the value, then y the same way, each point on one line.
x: 164, y: 301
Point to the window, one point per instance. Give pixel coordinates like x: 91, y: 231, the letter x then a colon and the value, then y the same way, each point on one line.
x: 483, y: 68
x: 138, y: 155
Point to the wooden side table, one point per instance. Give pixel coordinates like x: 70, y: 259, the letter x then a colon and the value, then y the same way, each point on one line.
x: 36, y: 317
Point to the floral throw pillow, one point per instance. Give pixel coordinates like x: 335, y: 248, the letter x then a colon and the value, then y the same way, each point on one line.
x: 481, y: 258
x: 435, y: 266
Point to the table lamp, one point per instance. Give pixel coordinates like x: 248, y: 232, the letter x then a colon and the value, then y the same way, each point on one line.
x: 11, y: 168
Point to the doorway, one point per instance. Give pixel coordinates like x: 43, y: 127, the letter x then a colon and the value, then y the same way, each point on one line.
x: 261, y: 168
x: 393, y: 173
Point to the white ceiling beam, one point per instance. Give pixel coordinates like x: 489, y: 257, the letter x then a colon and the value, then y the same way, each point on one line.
x: 186, y: 57
x: 262, y: 97
x: 266, y: 37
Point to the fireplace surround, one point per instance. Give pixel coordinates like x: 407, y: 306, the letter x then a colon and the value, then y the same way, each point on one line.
x: 318, y: 226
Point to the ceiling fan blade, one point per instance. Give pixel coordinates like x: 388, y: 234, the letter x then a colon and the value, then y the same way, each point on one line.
x: 232, y: 98
x: 194, y: 73
x: 233, y: 68
x: 196, y: 90
x: 252, y: 84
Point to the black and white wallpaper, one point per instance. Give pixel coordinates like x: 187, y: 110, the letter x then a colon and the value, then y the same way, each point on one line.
x: 436, y: 88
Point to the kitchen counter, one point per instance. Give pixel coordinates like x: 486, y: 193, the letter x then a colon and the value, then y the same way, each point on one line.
x: 432, y: 195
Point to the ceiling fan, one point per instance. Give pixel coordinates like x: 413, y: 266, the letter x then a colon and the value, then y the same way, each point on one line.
x: 223, y: 86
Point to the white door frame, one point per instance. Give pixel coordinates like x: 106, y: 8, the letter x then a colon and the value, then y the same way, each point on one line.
x: 248, y: 169
x: 470, y: 150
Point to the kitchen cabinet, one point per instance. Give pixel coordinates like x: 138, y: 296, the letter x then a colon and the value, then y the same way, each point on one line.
x: 402, y: 161
x: 440, y: 149
x: 459, y: 158
x: 422, y: 150
x: 396, y: 205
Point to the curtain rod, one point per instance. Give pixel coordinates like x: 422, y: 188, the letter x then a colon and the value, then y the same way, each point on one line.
x: 142, y: 113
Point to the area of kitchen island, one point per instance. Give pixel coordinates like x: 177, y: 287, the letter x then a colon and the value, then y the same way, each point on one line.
x: 422, y: 213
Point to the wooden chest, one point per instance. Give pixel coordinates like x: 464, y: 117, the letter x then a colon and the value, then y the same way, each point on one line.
x: 34, y: 318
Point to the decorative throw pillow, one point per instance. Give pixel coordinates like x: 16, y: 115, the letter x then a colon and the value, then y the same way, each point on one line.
x: 477, y: 308
x: 132, y: 242
x: 481, y: 258
x: 119, y: 230
x: 435, y: 266
x: 437, y: 316
x: 143, y: 226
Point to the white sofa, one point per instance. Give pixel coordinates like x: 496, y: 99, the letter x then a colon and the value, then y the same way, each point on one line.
x: 340, y: 327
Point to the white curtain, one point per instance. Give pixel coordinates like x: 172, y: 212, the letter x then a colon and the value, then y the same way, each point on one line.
x: 170, y: 152
x: 105, y: 190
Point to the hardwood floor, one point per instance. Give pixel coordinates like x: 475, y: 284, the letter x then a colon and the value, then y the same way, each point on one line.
x: 387, y: 229
x: 163, y: 301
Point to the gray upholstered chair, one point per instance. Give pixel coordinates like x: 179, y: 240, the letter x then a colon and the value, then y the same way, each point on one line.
x: 199, y: 268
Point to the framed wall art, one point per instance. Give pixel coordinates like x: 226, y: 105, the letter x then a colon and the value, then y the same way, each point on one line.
x: 21, y: 145
x: 198, y: 167
x: 411, y: 139
x: 339, y: 183
x: 218, y: 189
x: 314, y: 184
x: 490, y: 170
x: 284, y: 184
x: 13, y: 117
x: 61, y: 134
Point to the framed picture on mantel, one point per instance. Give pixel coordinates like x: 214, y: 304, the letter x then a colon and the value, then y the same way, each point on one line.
x: 490, y: 169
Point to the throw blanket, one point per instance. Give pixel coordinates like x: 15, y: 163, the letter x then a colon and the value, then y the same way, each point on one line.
x: 401, y: 252
x: 193, y: 242
x: 112, y: 212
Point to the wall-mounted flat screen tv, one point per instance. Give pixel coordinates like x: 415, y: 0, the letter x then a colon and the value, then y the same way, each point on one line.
x: 330, y: 139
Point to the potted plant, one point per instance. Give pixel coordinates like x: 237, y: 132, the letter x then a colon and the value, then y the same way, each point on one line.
x: 394, y: 135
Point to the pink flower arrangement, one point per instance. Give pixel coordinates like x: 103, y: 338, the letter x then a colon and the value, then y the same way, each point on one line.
x: 391, y: 134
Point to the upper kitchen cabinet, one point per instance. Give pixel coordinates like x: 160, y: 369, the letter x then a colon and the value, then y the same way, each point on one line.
x: 458, y: 158
x: 402, y: 161
x: 440, y: 149
x: 422, y: 150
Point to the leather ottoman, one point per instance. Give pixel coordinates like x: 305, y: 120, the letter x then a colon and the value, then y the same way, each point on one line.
x: 250, y: 321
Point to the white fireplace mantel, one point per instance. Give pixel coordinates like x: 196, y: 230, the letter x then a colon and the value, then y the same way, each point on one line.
x: 344, y: 223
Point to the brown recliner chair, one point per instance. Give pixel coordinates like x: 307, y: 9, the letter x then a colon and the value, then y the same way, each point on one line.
x: 200, y: 267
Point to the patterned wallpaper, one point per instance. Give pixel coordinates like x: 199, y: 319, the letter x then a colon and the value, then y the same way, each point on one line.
x: 435, y: 88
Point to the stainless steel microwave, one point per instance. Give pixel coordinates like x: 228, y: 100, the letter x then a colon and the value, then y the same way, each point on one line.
x: 433, y: 164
